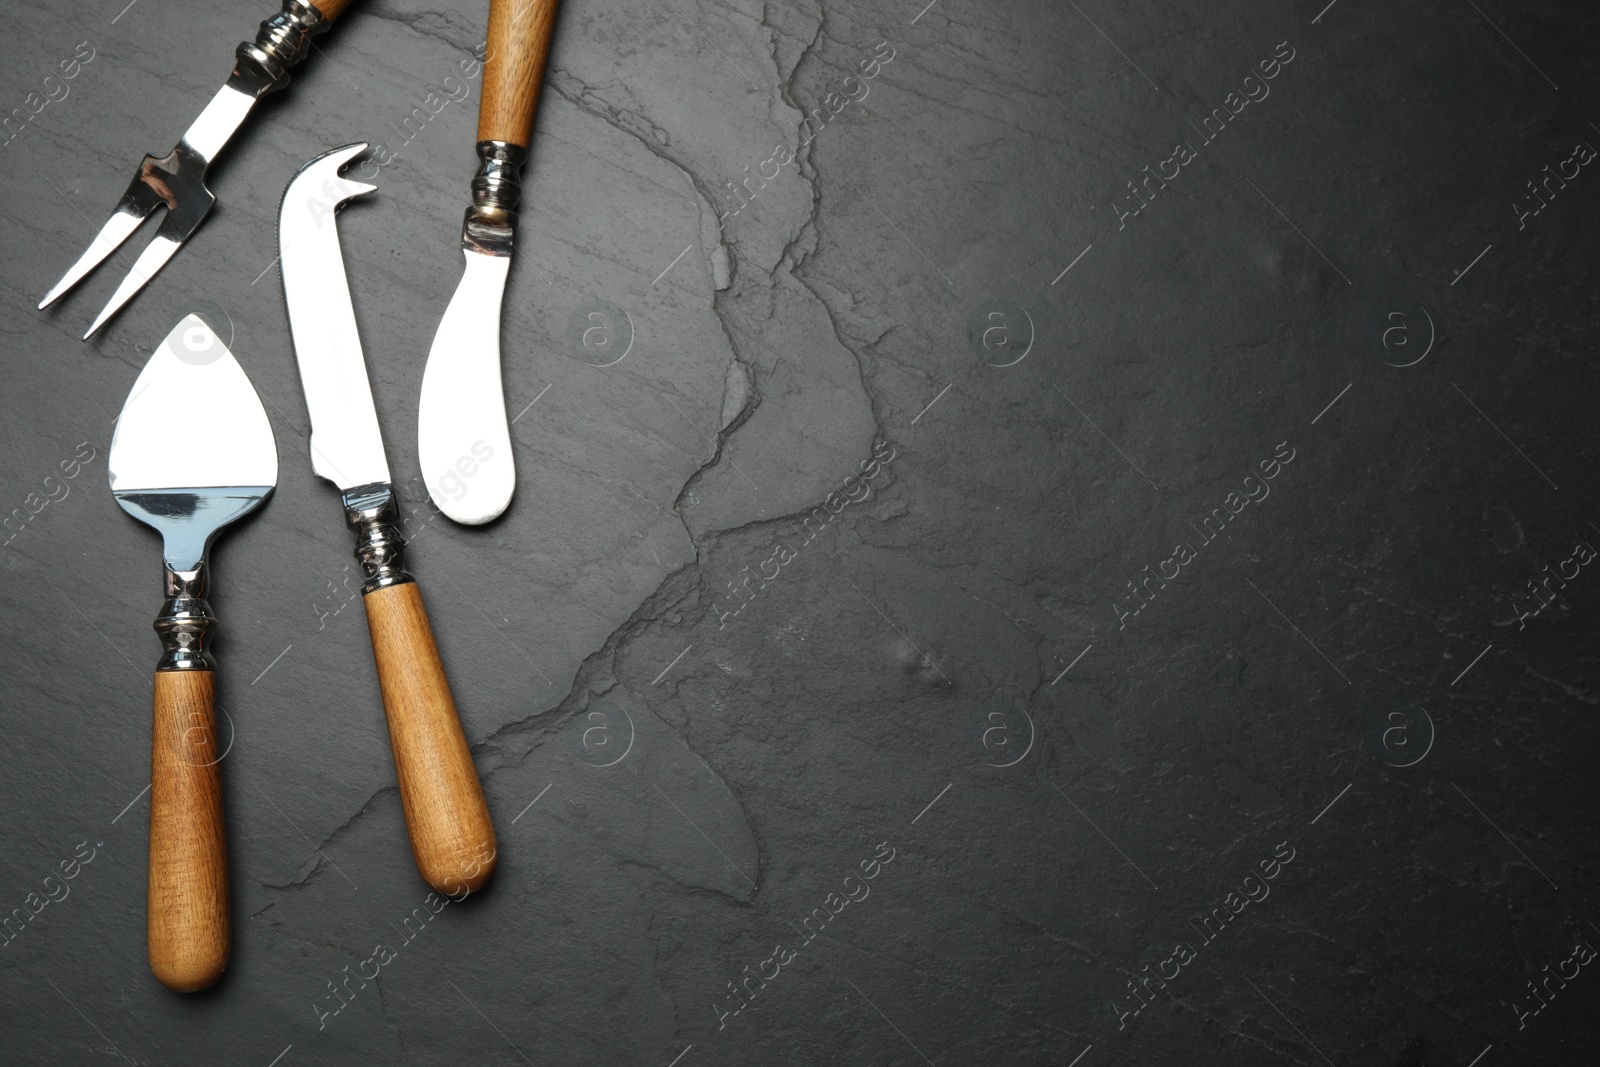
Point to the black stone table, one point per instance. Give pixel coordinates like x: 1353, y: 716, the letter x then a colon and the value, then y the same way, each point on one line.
x: 1048, y: 533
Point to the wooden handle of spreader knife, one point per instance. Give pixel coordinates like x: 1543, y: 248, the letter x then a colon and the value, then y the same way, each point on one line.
x: 513, y: 68
x: 452, y: 837
x: 186, y: 923
x: 331, y: 9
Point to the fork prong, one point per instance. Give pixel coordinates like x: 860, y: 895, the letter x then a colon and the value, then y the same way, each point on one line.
x: 118, y: 228
x: 160, y: 249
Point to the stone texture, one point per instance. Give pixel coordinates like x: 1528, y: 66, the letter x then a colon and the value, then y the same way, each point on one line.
x: 949, y: 668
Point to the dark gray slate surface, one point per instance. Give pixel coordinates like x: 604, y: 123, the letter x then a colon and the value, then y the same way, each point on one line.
x: 951, y: 671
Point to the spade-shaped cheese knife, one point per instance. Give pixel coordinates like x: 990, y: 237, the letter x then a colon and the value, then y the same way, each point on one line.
x: 452, y: 838
x: 191, y: 453
x: 463, y: 439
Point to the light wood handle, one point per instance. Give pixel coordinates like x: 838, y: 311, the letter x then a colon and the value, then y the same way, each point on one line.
x: 331, y: 9
x: 452, y: 838
x: 187, y: 922
x: 513, y: 68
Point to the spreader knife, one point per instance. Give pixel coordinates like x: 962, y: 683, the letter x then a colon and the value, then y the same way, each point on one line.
x: 448, y: 819
x: 463, y: 439
x: 191, y: 453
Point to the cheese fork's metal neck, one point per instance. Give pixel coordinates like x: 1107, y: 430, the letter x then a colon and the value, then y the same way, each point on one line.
x: 371, y: 511
x: 491, y: 223
x: 282, y: 41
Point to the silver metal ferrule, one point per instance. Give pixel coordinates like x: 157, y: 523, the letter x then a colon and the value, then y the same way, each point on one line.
x: 371, y: 511
x: 186, y: 622
x: 283, y: 40
x: 491, y: 222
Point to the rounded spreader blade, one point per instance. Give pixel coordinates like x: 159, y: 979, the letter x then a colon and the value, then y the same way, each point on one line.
x: 463, y: 439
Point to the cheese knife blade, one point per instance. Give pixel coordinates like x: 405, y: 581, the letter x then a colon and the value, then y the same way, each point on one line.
x: 346, y: 444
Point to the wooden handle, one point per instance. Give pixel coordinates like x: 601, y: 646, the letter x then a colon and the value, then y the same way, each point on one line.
x: 452, y: 838
x: 513, y: 68
x: 187, y: 922
x: 331, y: 9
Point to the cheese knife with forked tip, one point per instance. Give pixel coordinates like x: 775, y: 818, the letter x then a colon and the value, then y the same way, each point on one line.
x: 452, y: 838
x: 192, y: 452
